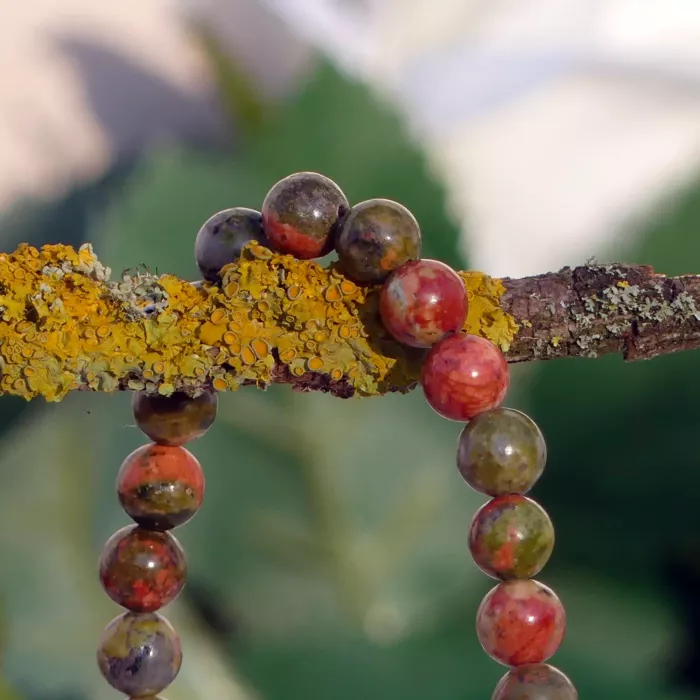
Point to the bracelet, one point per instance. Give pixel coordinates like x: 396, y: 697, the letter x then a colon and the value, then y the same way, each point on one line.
x: 501, y: 452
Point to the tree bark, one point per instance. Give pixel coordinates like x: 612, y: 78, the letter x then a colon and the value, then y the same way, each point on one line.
x: 273, y: 319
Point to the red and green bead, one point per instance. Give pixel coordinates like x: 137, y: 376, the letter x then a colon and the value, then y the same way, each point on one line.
x: 142, y: 570
x: 511, y: 537
x: 377, y: 237
x: 423, y: 301
x: 301, y: 214
x: 463, y: 376
x: 160, y: 486
x: 501, y: 452
x: 520, y: 622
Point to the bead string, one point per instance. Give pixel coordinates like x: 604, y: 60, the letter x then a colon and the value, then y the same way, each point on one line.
x: 501, y: 452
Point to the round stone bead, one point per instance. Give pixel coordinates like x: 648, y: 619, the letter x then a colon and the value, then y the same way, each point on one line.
x: 535, y: 682
x: 511, y: 537
x: 463, y: 376
x: 176, y: 419
x: 520, y: 622
x: 139, y: 654
x: 142, y: 570
x: 501, y: 451
x: 222, y: 237
x: 421, y: 302
x: 377, y: 237
x: 301, y: 213
x: 160, y: 487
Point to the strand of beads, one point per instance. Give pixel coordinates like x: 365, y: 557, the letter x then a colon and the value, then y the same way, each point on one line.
x: 143, y: 566
x: 501, y: 453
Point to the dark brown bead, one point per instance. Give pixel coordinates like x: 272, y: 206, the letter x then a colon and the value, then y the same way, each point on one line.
x: 176, y: 419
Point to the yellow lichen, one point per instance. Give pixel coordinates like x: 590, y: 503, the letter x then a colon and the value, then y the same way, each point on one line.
x: 64, y: 325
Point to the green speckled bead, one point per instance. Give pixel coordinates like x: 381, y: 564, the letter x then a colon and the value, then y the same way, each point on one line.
x: 511, y: 537
x: 500, y: 452
x: 139, y: 654
x: 535, y: 682
x: 376, y: 238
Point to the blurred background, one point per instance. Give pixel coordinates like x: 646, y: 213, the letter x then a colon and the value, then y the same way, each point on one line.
x: 330, y: 559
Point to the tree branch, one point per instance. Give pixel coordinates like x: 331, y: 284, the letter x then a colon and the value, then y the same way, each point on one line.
x: 65, y: 326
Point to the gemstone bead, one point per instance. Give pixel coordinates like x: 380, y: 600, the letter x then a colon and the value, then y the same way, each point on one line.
x: 511, y: 537
x: 463, y: 376
x: 160, y: 487
x: 139, y: 654
x: 222, y: 237
x: 176, y: 419
x: 535, y: 682
x: 501, y: 451
x: 142, y: 570
x: 377, y: 237
x: 520, y: 622
x: 301, y: 213
x: 421, y: 302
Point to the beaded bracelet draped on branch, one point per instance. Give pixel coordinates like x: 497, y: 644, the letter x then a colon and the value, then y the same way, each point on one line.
x: 67, y: 326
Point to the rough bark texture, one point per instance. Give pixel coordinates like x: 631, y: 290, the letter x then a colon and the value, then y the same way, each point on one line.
x: 595, y: 310
x: 273, y: 319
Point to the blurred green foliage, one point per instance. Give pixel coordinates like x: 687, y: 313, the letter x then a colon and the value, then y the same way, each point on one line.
x: 330, y: 558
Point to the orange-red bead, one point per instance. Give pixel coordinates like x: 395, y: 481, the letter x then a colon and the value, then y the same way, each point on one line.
x: 520, y: 622
x: 463, y: 376
x: 160, y: 486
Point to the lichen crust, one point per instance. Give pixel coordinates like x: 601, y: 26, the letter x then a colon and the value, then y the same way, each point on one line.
x: 65, y: 326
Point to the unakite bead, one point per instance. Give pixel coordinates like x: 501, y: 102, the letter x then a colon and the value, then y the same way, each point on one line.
x: 500, y: 452
x: 222, y: 238
x: 535, y: 682
x: 142, y: 570
x: 520, y: 622
x: 160, y: 487
x: 511, y: 537
x: 139, y: 654
x: 301, y: 214
x: 376, y: 238
x: 421, y: 302
x: 464, y: 375
x: 176, y: 419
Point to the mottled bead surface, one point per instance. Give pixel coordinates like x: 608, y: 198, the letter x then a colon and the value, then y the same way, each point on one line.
x: 511, y: 537
x: 463, y: 376
x: 535, y: 682
x: 501, y: 451
x: 160, y: 487
x: 142, y: 570
x: 421, y: 302
x: 520, y: 622
x: 176, y: 419
x: 377, y: 237
x: 139, y: 654
x: 301, y: 214
x: 222, y: 237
